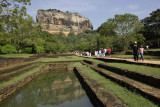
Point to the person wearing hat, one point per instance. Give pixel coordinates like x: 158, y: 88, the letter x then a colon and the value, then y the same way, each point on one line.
x: 135, y: 51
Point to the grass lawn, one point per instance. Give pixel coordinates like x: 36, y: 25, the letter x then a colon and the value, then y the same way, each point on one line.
x: 158, y: 49
x: 131, y: 56
x: 67, y: 58
x: 16, y: 55
x: 129, y: 98
x: 137, y: 68
x: 19, y: 77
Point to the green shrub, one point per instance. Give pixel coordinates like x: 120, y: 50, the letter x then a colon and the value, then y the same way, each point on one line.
x: 27, y: 50
x: 40, y: 49
x: 8, y: 49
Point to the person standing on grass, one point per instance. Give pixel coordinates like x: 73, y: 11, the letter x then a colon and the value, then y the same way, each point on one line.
x: 135, y: 51
x: 141, y: 51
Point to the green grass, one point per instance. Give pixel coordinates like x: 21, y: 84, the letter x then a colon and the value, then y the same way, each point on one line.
x: 68, y: 58
x: 158, y: 49
x: 138, y: 68
x: 17, y: 78
x: 17, y: 70
x: 16, y: 55
x: 131, y: 99
x: 131, y: 56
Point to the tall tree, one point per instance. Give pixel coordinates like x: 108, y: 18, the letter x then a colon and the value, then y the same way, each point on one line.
x: 9, y: 9
x: 126, y: 25
x: 152, y: 26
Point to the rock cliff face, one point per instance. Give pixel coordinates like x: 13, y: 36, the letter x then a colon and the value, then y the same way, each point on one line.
x: 55, y: 21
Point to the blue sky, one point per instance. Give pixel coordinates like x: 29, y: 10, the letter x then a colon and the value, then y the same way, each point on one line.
x: 97, y: 11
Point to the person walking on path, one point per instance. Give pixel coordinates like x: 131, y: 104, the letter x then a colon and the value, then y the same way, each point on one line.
x: 109, y: 52
x: 141, y: 51
x: 135, y: 51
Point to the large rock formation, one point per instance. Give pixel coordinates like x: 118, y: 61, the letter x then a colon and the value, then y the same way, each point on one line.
x: 55, y: 21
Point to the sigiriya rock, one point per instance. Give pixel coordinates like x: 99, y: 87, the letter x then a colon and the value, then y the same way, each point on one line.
x: 55, y: 21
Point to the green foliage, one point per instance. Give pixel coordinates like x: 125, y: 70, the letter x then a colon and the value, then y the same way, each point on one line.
x: 151, y: 29
x: 127, y: 26
x: 27, y: 50
x: 40, y: 49
x: 8, y: 49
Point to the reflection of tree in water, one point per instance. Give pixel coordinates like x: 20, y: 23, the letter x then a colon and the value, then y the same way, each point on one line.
x: 51, y: 88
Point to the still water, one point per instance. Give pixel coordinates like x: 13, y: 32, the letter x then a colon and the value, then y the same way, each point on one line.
x: 52, y: 89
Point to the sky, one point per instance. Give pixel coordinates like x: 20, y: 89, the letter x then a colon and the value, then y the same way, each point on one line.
x: 97, y: 11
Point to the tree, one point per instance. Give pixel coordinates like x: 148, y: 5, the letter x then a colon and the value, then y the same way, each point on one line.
x: 26, y: 33
x: 127, y: 26
x: 152, y: 26
x: 9, y: 10
x: 108, y: 28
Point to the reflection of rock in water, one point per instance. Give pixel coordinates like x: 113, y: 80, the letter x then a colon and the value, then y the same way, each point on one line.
x: 61, y: 91
x: 51, y: 88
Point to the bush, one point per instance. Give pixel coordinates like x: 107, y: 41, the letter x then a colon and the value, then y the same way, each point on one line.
x: 8, y: 49
x: 40, y: 49
x: 27, y: 50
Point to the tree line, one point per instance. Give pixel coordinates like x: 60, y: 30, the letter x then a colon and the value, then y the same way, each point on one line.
x: 19, y: 33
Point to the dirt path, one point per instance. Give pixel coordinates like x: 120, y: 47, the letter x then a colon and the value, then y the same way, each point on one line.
x: 130, y: 60
x: 139, y: 61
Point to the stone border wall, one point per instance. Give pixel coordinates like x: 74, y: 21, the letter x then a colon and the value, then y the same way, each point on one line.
x: 128, y: 62
x: 7, y: 70
x: 8, y: 90
x: 97, y: 94
x: 4, y: 62
x: 9, y: 76
x: 89, y: 62
x: 144, y: 91
x: 145, y: 78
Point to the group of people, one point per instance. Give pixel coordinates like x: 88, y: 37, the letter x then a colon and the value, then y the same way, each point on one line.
x: 138, y: 51
x: 103, y: 52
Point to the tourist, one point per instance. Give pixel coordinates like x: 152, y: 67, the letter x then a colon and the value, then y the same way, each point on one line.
x: 102, y: 50
x: 109, y: 52
x: 100, y: 53
x: 135, y: 51
x: 141, y: 50
x: 105, y: 52
x: 147, y: 47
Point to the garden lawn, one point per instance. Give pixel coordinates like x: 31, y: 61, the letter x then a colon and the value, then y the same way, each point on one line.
x: 16, y: 55
x: 158, y: 49
x: 67, y: 58
x: 19, y: 77
x: 137, y: 68
x: 131, y: 99
x: 131, y: 56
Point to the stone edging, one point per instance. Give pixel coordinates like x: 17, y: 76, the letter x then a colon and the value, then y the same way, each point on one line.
x: 8, y: 90
x: 145, y: 78
x: 98, y: 95
x: 128, y: 62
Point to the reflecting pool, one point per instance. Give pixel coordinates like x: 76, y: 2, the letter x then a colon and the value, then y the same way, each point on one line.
x: 53, y: 89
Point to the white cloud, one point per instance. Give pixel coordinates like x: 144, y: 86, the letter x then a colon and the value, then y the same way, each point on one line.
x: 132, y: 7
